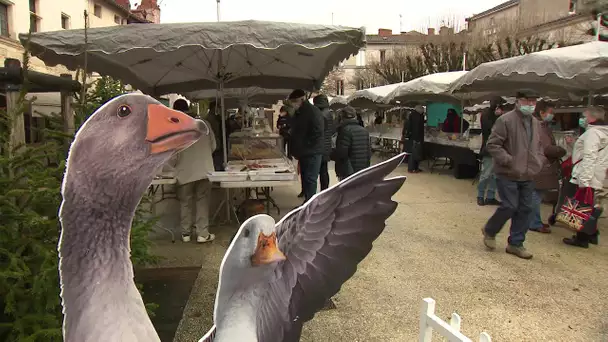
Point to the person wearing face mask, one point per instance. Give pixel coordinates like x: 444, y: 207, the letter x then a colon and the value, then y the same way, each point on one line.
x: 548, y: 178
x: 518, y: 156
x: 307, y: 140
x: 590, y: 163
x: 487, y: 179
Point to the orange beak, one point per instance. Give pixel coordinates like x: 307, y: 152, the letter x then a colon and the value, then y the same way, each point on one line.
x: 170, y: 130
x: 267, y: 251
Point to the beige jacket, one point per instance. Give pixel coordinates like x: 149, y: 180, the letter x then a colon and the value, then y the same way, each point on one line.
x: 195, y: 162
x: 590, y: 154
x: 515, y: 156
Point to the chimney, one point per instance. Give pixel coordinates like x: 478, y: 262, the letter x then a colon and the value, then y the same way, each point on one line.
x: 431, y: 31
x: 385, y: 32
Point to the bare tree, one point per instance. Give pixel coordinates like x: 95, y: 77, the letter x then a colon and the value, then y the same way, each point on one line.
x: 331, y: 82
x: 366, y: 78
x: 399, y: 65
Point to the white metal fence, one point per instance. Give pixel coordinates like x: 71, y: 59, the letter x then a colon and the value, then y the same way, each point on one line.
x: 451, y: 331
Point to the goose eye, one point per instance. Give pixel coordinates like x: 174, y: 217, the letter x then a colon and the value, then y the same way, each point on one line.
x: 123, y: 111
x: 246, y: 233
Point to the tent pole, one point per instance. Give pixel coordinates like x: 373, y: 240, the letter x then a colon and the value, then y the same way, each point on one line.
x: 223, y: 123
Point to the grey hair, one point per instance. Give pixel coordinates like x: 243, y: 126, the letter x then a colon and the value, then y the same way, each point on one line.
x: 596, y: 112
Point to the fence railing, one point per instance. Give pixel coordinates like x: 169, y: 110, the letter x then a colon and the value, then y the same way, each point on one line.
x: 451, y: 331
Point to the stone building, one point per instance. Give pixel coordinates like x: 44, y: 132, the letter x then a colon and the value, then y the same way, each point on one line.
x: 380, y: 46
x: 21, y: 16
x: 554, y: 20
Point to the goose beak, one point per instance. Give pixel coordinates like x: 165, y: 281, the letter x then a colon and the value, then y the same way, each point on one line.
x: 170, y: 130
x: 267, y: 251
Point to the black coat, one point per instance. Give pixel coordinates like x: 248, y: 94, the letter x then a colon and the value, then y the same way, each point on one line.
x: 415, y: 126
x: 488, y: 118
x: 328, y: 132
x: 353, y: 151
x: 307, y: 131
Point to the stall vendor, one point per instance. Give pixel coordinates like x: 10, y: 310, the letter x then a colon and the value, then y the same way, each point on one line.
x: 452, y: 123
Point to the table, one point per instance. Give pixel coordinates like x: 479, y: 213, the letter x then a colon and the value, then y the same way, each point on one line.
x: 159, y: 184
x: 265, y: 187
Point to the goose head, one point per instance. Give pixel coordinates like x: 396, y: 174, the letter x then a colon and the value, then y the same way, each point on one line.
x: 126, y: 141
x: 254, y: 250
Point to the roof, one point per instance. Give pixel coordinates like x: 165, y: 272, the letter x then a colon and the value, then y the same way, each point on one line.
x: 121, y: 5
x: 494, y: 9
x: 413, y: 37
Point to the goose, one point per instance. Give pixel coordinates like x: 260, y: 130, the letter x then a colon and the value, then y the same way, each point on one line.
x: 112, y: 161
x: 275, y: 277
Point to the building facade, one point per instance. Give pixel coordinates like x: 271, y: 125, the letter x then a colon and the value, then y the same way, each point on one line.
x: 23, y: 16
x: 379, y: 48
x: 553, y: 20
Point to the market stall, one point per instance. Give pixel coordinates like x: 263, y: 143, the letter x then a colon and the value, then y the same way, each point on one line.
x: 256, y: 164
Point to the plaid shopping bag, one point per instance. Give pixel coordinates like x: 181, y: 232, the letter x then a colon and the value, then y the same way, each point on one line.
x: 578, y: 210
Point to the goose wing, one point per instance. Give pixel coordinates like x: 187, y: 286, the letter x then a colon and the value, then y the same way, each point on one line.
x: 324, y: 241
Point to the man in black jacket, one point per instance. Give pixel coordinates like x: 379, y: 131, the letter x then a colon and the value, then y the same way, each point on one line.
x: 415, y: 137
x: 487, y: 179
x: 307, y: 140
x: 353, y: 150
x: 322, y: 103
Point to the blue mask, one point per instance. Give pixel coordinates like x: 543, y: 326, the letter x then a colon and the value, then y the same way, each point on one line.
x: 548, y: 118
x: 527, y: 110
x: 582, y: 122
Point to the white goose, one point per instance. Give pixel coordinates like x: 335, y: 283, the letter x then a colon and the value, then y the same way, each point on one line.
x: 274, y: 278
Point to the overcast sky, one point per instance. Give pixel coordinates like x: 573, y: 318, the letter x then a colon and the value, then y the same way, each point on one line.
x: 373, y: 14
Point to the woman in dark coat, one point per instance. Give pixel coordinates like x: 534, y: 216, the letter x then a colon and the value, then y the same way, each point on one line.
x: 548, y: 178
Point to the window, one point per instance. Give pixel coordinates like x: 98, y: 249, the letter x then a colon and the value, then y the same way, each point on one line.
x: 97, y: 10
x: 65, y: 21
x: 34, y: 19
x: 33, y: 22
x: 339, y: 87
x: 117, y: 20
x: 4, y: 20
x: 492, y: 23
x: 382, y: 56
x: 361, y: 58
x: 573, y: 6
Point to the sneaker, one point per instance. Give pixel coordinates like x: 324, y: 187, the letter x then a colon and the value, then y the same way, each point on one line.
x: 301, y: 194
x: 185, y: 237
x: 519, y: 252
x: 492, y: 201
x: 480, y: 201
x: 203, y: 239
x: 488, y: 240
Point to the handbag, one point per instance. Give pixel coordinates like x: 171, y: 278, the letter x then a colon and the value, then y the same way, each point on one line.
x: 578, y: 212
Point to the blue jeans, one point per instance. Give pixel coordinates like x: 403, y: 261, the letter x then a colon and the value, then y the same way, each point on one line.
x: 517, y: 204
x: 310, y: 167
x: 487, y: 179
x: 536, y: 221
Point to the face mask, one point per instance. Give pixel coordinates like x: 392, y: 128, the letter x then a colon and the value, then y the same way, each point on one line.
x: 582, y: 122
x: 548, y: 118
x: 526, y: 110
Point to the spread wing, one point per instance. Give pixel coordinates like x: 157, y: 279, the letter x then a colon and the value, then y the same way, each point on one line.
x: 323, y: 242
